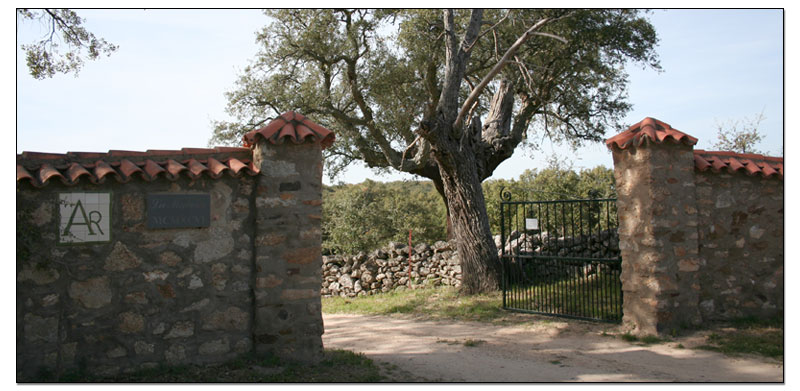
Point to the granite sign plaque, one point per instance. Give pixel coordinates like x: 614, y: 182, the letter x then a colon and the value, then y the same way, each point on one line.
x: 178, y: 210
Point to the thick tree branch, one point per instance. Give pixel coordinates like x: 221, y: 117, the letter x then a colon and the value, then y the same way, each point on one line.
x: 497, y: 68
x: 456, y: 59
x: 489, y: 30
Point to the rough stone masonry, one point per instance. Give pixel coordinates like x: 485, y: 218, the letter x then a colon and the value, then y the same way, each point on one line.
x: 100, y: 290
x: 701, y: 233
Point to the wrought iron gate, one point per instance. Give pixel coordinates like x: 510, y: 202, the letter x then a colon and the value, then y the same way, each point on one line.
x: 561, y: 258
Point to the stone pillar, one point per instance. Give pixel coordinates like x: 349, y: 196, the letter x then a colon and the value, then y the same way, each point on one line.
x: 658, y: 234
x: 288, y: 242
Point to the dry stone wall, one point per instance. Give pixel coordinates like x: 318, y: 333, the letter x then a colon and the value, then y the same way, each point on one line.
x: 386, y: 269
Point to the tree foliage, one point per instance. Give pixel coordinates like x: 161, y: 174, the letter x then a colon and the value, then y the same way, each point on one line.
x: 366, y: 216
x: 558, y: 181
x: 444, y: 94
x: 45, y: 58
x: 372, y: 76
x: 740, y: 135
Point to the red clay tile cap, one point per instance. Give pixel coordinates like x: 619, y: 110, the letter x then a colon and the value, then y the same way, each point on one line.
x: 38, y: 168
x: 748, y: 163
x: 292, y: 126
x: 649, y: 129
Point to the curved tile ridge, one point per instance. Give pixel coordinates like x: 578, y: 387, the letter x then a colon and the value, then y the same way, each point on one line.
x: 748, y: 163
x: 649, y: 129
x: 39, y: 168
x: 292, y: 126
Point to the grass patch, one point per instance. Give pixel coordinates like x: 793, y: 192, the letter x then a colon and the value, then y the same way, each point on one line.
x: 645, y: 340
x: 434, y: 303
x: 593, y: 297
x: 473, y: 342
x: 651, y: 339
x: 750, y: 336
x: 629, y: 337
x: 467, y: 342
x: 337, y: 366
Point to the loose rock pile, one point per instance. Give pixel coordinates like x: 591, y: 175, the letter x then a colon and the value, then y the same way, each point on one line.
x: 603, y: 244
x: 386, y: 269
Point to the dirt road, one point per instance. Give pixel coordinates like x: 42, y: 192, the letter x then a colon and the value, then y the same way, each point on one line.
x: 551, y: 351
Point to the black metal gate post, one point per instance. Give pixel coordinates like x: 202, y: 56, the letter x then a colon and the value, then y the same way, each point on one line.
x: 561, y: 257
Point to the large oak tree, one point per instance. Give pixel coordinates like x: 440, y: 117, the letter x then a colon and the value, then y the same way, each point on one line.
x: 444, y: 94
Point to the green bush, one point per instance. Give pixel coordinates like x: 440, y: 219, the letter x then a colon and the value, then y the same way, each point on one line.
x: 558, y: 181
x: 368, y: 215
x: 365, y: 216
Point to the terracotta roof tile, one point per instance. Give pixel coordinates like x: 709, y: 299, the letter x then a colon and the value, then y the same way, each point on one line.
x: 649, y: 129
x: 71, y: 168
x: 748, y: 163
x: 292, y: 126
x: 658, y: 132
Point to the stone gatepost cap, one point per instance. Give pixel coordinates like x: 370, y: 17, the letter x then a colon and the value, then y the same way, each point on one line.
x: 292, y: 126
x: 649, y: 129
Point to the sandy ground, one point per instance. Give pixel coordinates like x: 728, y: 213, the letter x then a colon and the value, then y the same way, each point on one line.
x: 551, y: 351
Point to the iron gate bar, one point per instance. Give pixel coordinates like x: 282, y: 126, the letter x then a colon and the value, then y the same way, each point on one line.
x: 548, y: 276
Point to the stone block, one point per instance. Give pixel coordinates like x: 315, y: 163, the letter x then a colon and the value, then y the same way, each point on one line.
x: 197, y: 305
x: 219, y: 244
x: 270, y: 281
x: 303, y: 255
x: 155, y: 275
x: 299, y: 294
x: 169, y: 258
x: 143, y: 348
x: 233, y: 318
x: 38, y: 275
x: 130, y: 323
x: 132, y: 207
x: 175, y: 354
x: 92, y: 293
x: 271, y: 239
x: 166, y: 291
x: 121, y: 258
x: 40, y: 329
x: 181, y: 330
x: 215, y: 347
x: 50, y: 300
x: 117, y: 352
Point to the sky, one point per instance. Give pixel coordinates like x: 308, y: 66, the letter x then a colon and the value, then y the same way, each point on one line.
x: 165, y: 85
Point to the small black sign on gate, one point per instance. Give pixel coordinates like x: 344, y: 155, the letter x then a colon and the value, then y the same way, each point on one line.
x: 178, y: 210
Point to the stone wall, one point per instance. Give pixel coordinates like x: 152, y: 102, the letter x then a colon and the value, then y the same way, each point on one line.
x: 741, y: 239
x: 701, y: 233
x: 113, y: 293
x: 288, y: 250
x: 658, y: 237
x: 171, y: 296
x: 386, y: 269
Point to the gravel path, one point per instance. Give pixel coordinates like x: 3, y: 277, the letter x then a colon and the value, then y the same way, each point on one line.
x: 553, y: 351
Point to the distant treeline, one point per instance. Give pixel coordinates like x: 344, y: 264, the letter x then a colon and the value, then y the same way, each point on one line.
x: 366, y: 216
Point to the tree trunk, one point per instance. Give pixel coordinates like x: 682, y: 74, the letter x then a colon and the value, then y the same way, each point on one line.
x: 439, y: 185
x: 480, y: 265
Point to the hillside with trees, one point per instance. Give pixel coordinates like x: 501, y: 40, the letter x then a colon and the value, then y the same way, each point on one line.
x: 366, y: 216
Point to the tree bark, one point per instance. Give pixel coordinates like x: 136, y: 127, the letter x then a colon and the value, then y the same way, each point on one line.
x: 480, y: 265
x: 439, y: 185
